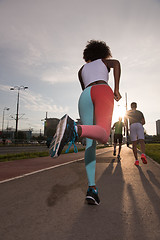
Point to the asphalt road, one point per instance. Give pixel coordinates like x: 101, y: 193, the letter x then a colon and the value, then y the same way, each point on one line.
x: 49, y: 204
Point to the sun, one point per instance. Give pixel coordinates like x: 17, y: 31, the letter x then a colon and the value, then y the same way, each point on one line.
x: 119, y: 111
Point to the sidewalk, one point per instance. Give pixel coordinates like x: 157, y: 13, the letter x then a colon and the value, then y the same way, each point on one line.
x: 50, y: 205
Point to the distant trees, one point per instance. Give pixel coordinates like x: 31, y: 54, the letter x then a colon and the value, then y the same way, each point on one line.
x: 152, y: 138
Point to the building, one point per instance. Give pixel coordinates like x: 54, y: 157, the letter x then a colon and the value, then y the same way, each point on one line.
x: 50, y: 125
x: 158, y: 127
x: 9, y: 134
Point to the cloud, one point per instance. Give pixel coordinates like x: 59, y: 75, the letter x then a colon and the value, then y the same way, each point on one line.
x: 61, y: 74
x: 36, y: 102
x: 4, y: 87
x: 36, y: 40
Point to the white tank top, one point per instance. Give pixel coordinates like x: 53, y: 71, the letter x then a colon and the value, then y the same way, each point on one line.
x: 94, y: 71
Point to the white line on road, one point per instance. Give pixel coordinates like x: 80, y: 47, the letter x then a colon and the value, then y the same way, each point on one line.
x: 45, y: 169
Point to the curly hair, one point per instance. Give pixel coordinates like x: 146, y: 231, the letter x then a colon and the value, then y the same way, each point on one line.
x: 95, y: 50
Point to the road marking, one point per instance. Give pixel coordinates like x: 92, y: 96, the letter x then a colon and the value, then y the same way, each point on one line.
x: 44, y: 169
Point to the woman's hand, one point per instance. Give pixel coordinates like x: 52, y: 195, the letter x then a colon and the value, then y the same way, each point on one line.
x: 117, y: 95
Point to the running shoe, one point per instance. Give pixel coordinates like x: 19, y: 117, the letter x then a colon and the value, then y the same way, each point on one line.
x: 114, y: 153
x: 65, y: 133
x: 92, y: 196
x: 143, y: 157
x: 136, y: 163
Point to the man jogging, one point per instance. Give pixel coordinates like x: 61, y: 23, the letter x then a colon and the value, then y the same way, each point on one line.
x: 118, y: 126
x: 136, y: 122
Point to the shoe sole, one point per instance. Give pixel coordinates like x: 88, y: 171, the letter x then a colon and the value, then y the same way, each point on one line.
x: 90, y: 200
x: 56, y: 145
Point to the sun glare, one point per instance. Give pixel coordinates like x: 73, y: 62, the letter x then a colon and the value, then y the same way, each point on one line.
x: 119, y: 111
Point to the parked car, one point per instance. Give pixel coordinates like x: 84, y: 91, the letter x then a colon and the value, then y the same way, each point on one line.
x: 33, y: 142
x: 5, y: 141
x: 43, y: 142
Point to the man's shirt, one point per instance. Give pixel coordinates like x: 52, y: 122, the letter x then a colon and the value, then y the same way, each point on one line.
x: 118, y: 127
x: 134, y: 116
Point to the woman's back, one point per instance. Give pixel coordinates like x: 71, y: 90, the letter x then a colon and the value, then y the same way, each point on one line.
x: 94, y: 71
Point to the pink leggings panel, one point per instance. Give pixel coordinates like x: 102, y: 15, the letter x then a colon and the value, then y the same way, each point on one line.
x: 103, y: 101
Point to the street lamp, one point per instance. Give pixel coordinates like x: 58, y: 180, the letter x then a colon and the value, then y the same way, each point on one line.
x: 18, y: 88
x: 7, y: 109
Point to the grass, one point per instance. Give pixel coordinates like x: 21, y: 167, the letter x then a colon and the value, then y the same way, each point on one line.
x: 153, y: 151
x: 27, y: 155
x: 24, y: 155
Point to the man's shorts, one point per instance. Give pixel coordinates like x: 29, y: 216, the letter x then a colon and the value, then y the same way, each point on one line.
x: 118, y: 137
x: 136, y: 131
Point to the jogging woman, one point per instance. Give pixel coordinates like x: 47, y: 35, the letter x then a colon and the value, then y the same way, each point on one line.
x: 95, y: 108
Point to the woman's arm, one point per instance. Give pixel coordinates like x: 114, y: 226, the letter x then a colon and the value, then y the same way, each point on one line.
x: 115, y: 64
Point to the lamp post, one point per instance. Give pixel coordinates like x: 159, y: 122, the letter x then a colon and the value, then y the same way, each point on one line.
x: 127, y: 134
x: 18, y: 88
x: 3, y: 117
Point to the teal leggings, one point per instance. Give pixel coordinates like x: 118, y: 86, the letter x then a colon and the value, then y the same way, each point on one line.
x: 95, y: 110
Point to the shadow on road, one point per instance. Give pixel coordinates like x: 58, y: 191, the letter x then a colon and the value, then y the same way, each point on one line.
x: 152, y: 195
x: 135, y: 217
x: 125, y: 209
x: 153, y: 179
x: 100, y: 222
x: 59, y: 191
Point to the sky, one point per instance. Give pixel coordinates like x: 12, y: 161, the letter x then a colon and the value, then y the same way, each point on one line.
x: 41, y: 47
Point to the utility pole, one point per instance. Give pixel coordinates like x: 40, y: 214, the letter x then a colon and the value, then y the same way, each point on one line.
x: 126, y: 100
x: 17, y: 113
x: 17, y: 118
x: 3, y: 117
x: 127, y: 135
